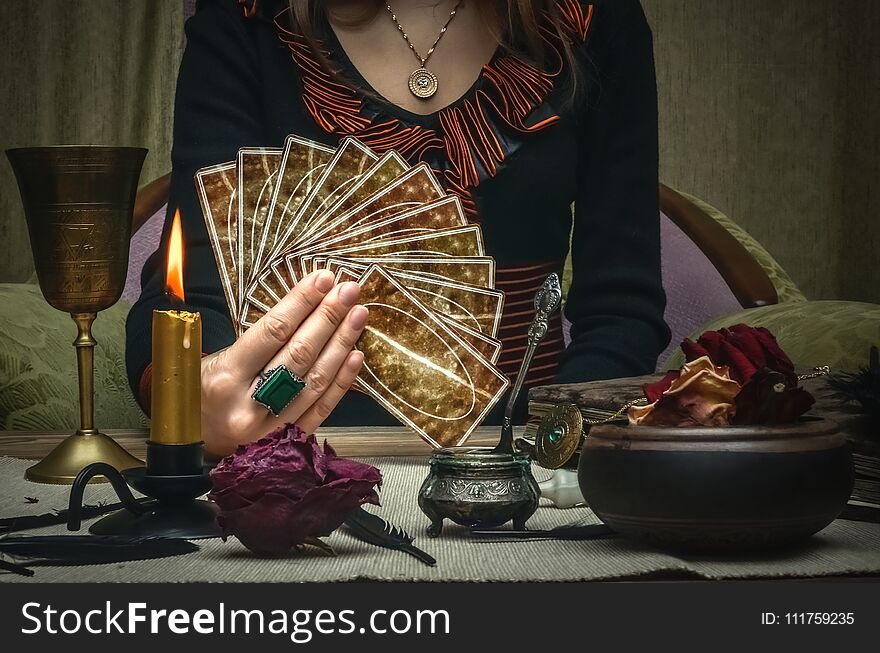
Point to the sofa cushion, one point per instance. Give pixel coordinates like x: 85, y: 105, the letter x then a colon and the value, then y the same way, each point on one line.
x: 812, y: 333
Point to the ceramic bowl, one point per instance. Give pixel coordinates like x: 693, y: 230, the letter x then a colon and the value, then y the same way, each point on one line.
x: 726, y: 489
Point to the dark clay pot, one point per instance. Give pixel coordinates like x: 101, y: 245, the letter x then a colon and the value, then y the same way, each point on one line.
x: 726, y: 489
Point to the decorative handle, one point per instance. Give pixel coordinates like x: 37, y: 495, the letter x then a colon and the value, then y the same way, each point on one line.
x: 74, y: 507
x: 547, y: 300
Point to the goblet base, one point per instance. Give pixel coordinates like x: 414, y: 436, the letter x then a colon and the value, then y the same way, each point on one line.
x: 81, y: 449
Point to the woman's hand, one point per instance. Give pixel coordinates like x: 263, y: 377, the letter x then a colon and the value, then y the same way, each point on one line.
x: 312, y: 331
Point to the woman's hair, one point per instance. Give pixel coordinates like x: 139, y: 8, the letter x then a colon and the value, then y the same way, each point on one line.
x: 517, y: 26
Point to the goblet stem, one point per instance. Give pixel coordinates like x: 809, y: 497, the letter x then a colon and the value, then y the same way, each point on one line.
x: 85, y: 363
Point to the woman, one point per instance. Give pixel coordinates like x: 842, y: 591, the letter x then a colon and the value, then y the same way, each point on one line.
x: 538, y: 104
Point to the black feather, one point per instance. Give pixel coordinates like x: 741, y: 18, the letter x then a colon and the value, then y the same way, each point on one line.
x: 372, y: 529
x: 15, y: 568
x: 862, y: 387
x: 70, y: 550
x: 28, y: 522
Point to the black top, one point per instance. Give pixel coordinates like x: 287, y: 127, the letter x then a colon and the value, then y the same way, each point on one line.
x: 239, y: 86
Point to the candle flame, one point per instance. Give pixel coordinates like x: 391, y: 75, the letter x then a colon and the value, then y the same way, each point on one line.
x: 174, y: 276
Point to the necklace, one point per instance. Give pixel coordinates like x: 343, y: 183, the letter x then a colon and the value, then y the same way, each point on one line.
x: 422, y: 82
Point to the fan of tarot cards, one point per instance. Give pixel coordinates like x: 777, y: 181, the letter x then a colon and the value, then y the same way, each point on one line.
x: 276, y: 214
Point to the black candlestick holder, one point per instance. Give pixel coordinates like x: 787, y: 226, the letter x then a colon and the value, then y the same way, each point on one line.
x: 175, y: 476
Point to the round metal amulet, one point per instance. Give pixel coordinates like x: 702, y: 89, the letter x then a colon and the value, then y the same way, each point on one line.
x: 423, y: 83
x: 558, y: 436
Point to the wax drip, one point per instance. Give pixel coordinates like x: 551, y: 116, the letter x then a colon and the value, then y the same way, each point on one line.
x: 187, y: 333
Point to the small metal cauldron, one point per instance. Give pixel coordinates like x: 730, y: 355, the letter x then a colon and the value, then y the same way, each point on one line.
x: 472, y: 486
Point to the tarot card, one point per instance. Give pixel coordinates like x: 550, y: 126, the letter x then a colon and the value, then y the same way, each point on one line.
x: 386, y: 169
x: 458, y: 241
x: 455, y: 241
x: 445, y: 213
x: 413, y: 188
x: 283, y: 281
x: 419, y: 369
x: 263, y: 296
x: 302, y: 163
x: 351, y: 161
x: 471, y: 271
x: 476, y: 308
x: 477, y: 271
x: 257, y: 171
x: 216, y: 188
x: 489, y: 348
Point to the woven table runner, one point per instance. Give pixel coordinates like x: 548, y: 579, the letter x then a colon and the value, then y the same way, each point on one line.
x: 844, y: 548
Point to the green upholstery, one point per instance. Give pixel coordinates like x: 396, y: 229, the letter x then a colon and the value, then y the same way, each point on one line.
x: 812, y: 333
x: 38, y: 377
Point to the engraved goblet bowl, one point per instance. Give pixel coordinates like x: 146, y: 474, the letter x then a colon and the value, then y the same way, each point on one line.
x: 78, y: 203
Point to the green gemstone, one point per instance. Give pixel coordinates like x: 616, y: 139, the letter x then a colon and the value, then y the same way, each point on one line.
x: 276, y: 392
x: 556, y: 434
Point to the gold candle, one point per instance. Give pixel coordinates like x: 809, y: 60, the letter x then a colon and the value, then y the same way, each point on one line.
x: 177, y: 361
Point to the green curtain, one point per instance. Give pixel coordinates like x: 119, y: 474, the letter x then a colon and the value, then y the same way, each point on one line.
x: 83, y: 71
x: 768, y: 111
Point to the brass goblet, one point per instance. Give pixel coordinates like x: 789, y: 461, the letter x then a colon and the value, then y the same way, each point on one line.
x: 78, y: 202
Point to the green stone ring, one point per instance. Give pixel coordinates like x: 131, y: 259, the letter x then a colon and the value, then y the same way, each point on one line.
x: 277, y: 388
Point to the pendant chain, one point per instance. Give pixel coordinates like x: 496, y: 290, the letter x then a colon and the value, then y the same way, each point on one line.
x: 427, y: 56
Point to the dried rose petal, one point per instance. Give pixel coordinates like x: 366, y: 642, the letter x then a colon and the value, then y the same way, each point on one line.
x: 278, y: 492
x: 768, y: 399
x: 777, y: 360
x: 744, y: 350
x: 653, y: 391
x: 702, y: 395
x: 746, y: 340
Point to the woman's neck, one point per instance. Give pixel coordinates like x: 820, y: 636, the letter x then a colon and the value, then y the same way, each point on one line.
x: 376, y: 47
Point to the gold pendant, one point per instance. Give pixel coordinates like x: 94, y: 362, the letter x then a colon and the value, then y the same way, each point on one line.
x: 422, y: 83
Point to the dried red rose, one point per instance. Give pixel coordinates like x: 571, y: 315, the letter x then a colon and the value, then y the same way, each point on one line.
x: 279, y: 492
x: 769, y: 394
x: 702, y: 395
x: 768, y: 399
x: 744, y: 350
x: 653, y: 391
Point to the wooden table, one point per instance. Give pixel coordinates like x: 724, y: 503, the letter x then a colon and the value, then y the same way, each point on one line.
x: 357, y: 442
x: 351, y: 442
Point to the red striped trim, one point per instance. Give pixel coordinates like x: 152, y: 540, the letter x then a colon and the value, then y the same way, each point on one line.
x: 555, y: 325
x: 519, y: 333
x: 522, y: 348
x: 548, y: 356
x: 522, y: 302
x: 520, y: 277
x: 520, y: 285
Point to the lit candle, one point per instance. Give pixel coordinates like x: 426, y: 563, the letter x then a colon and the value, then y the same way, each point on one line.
x: 177, y: 360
